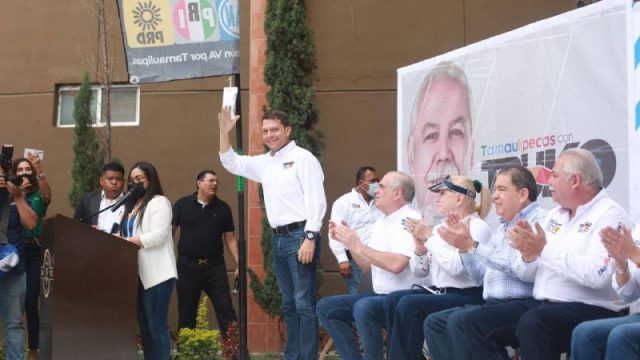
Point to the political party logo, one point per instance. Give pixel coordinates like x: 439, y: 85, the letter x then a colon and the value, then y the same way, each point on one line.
x: 147, y: 23
x: 229, y: 14
x: 195, y: 21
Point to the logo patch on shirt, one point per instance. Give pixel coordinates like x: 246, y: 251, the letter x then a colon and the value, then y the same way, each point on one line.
x: 605, y: 265
x: 287, y: 165
x: 553, y: 227
x: 582, y: 228
x: 355, y: 206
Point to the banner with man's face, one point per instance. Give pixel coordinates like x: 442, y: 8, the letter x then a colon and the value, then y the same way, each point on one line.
x: 520, y: 98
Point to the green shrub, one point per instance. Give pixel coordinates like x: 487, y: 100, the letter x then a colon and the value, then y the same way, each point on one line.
x: 200, y: 343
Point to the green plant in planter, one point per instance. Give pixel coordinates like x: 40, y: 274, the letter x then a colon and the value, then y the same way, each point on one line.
x: 200, y: 343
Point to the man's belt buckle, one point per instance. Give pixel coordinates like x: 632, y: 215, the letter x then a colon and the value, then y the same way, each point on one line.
x: 202, y: 261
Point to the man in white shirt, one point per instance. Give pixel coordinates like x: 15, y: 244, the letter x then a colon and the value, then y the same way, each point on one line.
x: 111, y: 184
x: 295, y: 203
x: 358, y: 210
x: 387, y: 256
x: 567, y: 262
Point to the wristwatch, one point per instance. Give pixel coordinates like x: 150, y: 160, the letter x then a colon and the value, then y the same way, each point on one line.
x: 311, y: 235
x: 41, y: 176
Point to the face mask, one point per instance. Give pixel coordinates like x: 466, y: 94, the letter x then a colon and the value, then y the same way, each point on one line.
x: 372, y: 189
x: 137, y: 190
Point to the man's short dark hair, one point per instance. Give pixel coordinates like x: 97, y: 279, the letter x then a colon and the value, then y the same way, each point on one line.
x: 204, y: 173
x: 112, y: 166
x: 522, y: 178
x: 277, y: 115
x: 361, y: 171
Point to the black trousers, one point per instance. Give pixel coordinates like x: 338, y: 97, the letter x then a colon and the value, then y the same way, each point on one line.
x: 210, y: 278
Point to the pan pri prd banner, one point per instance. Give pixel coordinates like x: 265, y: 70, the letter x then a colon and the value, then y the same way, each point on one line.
x: 180, y: 39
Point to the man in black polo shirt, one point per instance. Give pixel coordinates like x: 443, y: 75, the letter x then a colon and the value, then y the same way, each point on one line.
x: 204, y: 221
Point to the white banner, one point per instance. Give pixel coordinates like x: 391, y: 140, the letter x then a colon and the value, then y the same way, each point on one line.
x: 521, y: 97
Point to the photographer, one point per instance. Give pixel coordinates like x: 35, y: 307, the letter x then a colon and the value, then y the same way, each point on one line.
x: 13, y: 285
x: 38, y: 194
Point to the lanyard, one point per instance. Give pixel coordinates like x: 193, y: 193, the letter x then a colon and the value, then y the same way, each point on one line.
x: 129, y: 226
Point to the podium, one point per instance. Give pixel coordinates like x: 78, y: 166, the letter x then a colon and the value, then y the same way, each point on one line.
x: 89, y: 284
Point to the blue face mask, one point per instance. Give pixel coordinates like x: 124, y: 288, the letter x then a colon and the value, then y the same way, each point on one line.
x: 372, y: 189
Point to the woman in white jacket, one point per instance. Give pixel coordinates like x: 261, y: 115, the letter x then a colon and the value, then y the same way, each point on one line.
x: 147, y: 223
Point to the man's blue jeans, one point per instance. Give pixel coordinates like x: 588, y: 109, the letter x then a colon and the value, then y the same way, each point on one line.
x: 446, y: 341
x: 153, y: 308
x: 336, y: 313
x: 412, y: 308
x: 615, y: 338
x: 534, y: 322
x: 297, y: 283
x: 354, y: 281
x: 13, y: 288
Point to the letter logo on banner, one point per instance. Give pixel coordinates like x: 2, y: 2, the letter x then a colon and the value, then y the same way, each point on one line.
x: 229, y: 13
x: 195, y: 21
x: 180, y: 39
x: 149, y: 19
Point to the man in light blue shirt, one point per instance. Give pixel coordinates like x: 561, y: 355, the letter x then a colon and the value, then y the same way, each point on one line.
x: 492, y: 264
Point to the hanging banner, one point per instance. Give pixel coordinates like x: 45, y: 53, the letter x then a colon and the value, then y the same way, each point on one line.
x: 522, y: 98
x: 180, y: 39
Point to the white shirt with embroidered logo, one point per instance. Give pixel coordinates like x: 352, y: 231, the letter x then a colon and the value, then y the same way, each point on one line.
x: 292, y: 181
x: 574, y: 265
x: 358, y: 214
x: 388, y: 235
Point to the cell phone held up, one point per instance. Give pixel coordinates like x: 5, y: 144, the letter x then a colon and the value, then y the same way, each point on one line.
x: 6, y: 155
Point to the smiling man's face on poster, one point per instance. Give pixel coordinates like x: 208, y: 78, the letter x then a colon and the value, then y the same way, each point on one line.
x: 439, y: 141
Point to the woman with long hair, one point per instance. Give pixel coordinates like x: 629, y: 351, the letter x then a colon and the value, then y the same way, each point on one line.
x: 449, y: 277
x: 146, y: 222
x: 38, y: 194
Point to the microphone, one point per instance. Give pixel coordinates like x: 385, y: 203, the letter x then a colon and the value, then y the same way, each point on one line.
x: 135, y: 192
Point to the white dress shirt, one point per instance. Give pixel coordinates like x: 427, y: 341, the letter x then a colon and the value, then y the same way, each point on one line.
x: 630, y: 292
x: 106, y: 219
x: 292, y: 181
x: 358, y: 214
x: 574, y: 265
x: 442, y: 261
x: 388, y: 235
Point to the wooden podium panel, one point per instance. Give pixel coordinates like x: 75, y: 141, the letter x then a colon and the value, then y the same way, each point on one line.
x: 89, y: 282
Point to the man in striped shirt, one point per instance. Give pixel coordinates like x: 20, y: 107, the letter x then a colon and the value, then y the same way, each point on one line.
x: 492, y: 264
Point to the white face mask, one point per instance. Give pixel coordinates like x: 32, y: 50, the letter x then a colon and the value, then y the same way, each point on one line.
x: 372, y: 189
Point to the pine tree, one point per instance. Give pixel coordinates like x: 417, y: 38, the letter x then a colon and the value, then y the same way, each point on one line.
x: 87, y: 153
x: 289, y: 72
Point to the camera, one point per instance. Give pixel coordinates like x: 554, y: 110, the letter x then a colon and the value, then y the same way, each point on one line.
x: 6, y: 155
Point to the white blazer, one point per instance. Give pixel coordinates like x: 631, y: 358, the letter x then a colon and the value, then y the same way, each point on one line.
x: 156, y: 260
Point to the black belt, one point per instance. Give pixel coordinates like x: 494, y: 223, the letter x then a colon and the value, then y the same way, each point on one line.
x: 201, y: 261
x: 285, y: 229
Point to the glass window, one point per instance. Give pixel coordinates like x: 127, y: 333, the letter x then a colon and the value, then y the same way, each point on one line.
x: 125, y: 102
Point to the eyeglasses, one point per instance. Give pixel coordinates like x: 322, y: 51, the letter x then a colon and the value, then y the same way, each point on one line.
x: 139, y: 178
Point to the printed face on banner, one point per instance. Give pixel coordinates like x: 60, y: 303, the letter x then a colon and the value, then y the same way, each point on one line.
x: 439, y: 141
x: 522, y: 98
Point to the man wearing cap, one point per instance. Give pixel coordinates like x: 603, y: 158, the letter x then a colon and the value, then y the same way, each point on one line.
x: 204, y: 221
x: 387, y: 256
x: 17, y: 214
x: 294, y: 200
x: 358, y: 210
x: 514, y: 197
x: 567, y: 262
